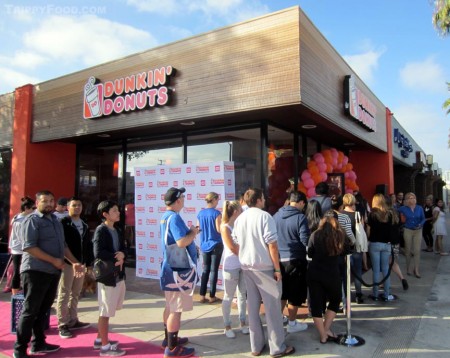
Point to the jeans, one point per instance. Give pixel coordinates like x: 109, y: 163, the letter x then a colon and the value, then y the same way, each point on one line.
x: 380, y: 253
x: 211, y: 262
x: 40, y: 292
x: 356, y: 263
x: 234, y: 279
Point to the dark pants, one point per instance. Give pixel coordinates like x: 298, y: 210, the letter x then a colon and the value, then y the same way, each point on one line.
x: 40, y: 292
x: 17, y: 260
x: 211, y: 262
x: 426, y: 233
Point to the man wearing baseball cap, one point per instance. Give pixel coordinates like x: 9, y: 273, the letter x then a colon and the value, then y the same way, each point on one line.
x: 176, y: 301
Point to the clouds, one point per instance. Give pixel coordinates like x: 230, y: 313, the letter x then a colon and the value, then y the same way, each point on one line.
x: 70, y: 43
x: 427, y: 75
x: 365, y: 64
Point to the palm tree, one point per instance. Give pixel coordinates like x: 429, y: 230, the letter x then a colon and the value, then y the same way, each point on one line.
x: 446, y: 105
x: 441, y: 16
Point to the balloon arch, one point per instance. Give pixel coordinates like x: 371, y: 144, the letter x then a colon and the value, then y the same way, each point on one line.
x: 323, y: 163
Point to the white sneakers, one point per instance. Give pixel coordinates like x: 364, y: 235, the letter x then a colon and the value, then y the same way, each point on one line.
x: 229, y: 333
x: 245, y: 330
x: 296, y: 327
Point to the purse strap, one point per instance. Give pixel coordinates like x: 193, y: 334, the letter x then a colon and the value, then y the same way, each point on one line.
x: 191, y: 262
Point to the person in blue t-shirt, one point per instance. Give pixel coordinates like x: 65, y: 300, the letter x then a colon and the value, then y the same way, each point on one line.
x: 209, y: 220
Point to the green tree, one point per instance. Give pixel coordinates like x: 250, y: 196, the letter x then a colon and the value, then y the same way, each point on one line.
x: 441, y: 16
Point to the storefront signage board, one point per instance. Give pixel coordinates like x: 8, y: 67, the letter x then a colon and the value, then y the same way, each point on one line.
x: 358, y: 106
x: 126, y: 94
x: 151, y: 183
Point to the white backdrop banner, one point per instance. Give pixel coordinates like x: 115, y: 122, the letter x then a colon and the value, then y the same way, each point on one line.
x: 151, y: 183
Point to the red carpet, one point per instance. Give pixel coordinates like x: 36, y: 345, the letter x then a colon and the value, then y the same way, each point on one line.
x: 78, y: 346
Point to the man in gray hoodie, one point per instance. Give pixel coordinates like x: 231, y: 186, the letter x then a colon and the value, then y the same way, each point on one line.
x: 293, y: 235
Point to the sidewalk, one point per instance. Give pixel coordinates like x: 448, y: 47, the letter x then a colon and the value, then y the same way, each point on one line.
x: 416, y: 325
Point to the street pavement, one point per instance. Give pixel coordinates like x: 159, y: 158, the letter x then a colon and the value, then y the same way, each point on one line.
x: 415, y: 325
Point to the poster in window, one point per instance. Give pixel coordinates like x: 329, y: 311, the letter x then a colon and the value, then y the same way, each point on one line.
x: 336, y: 183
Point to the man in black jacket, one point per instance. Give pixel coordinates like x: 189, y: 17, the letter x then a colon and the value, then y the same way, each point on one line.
x: 76, y: 233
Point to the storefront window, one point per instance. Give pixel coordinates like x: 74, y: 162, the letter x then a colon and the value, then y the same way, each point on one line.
x: 5, y: 193
x: 240, y: 146
x: 100, y: 179
x: 280, y: 157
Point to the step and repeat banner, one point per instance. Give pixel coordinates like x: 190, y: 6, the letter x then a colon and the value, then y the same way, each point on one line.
x: 151, y: 183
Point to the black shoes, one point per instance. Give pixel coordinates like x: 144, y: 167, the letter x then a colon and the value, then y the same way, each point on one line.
x: 405, y: 284
x: 45, y: 348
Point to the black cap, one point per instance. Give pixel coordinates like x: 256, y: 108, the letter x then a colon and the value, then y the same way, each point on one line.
x: 62, y: 201
x: 172, y: 195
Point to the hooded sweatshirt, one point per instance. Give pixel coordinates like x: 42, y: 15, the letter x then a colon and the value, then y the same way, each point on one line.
x: 293, y: 233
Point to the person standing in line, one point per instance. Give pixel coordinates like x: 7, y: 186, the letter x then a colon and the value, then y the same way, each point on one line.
x: 399, y: 200
x: 44, y: 250
x: 16, y: 240
x: 293, y: 234
x: 440, y: 229
x: 61, y: 208
x: 256, y: 234
x: 413, y: 221
x: 428, y: 225
x: 322, y: 190
x: 76, y: 233
x: 109, y: 246
x: 211, y: 245
x: 325, y: 247
x: 358, y: 257
x: 232, y: 273
x: 380, y: 223
x: 177, y: 302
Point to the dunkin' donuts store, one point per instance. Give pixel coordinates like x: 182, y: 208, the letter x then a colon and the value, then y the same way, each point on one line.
x: 268, y: 97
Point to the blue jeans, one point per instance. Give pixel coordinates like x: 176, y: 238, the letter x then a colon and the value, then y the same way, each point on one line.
x: 211, y: 262
x: 379, y: 256
x: 40, y: 292
x: 356, y: 264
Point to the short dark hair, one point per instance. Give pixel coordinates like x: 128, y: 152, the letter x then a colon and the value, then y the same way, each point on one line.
x: 297, y: 196
x: 322, y: 188
x: 76, y: 198
x: 26, y: 203
x: 336, y: 202
x: 104, y: 207
x: 43, y: 192
x: 252, y: 195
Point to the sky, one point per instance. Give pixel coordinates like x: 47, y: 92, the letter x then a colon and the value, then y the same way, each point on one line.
x: 391, y: 44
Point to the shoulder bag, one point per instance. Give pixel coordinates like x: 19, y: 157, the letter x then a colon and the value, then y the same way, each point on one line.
x: 178, y: 271
x: 361, y: 236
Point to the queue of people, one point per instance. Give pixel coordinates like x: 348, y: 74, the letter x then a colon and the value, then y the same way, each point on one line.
x: 295, y: 257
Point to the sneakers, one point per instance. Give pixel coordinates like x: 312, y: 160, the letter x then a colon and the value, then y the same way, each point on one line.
x: 20, y: 355
x: 45, y: 348
x: 245, y: 330
x: 80, y: 325
x: 112, y: 351
x: 178, y: 352
x: 389, y: 298
x: 64, y: 332
x: 297, y: 327
x: 405, y: 284
x: 374, y: 298
x: 98, y: 345
x: 181, y: 342
x: 229, y: 333
x: 359, y: 300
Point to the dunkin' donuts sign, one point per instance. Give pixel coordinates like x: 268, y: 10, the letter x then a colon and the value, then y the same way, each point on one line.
x: 126, y: 94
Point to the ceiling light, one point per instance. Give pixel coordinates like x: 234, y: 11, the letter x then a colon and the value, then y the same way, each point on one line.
x: 189, y: 123
x: 104, y: 135
x: 309, y: 126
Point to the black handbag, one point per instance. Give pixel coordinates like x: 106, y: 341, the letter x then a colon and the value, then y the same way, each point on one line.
x: 105, y: 272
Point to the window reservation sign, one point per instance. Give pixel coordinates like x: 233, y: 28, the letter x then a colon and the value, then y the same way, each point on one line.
x: 126, y: 94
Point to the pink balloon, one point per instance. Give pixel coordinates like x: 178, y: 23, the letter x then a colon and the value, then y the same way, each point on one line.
x: 345, y: 160
x: 318, y: 158
x: 324, y: 176
x: 334, y: 152
x: 334, y: 162
x: 309, y: 183
x: 322, y: 167
x: 347, y: 175
x: 311, y: 192
x: 305, y: 175
x: 339, y: 166
x: 348, y: 191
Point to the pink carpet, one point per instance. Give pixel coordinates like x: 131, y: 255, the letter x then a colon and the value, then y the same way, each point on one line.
x: 78, y: 346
